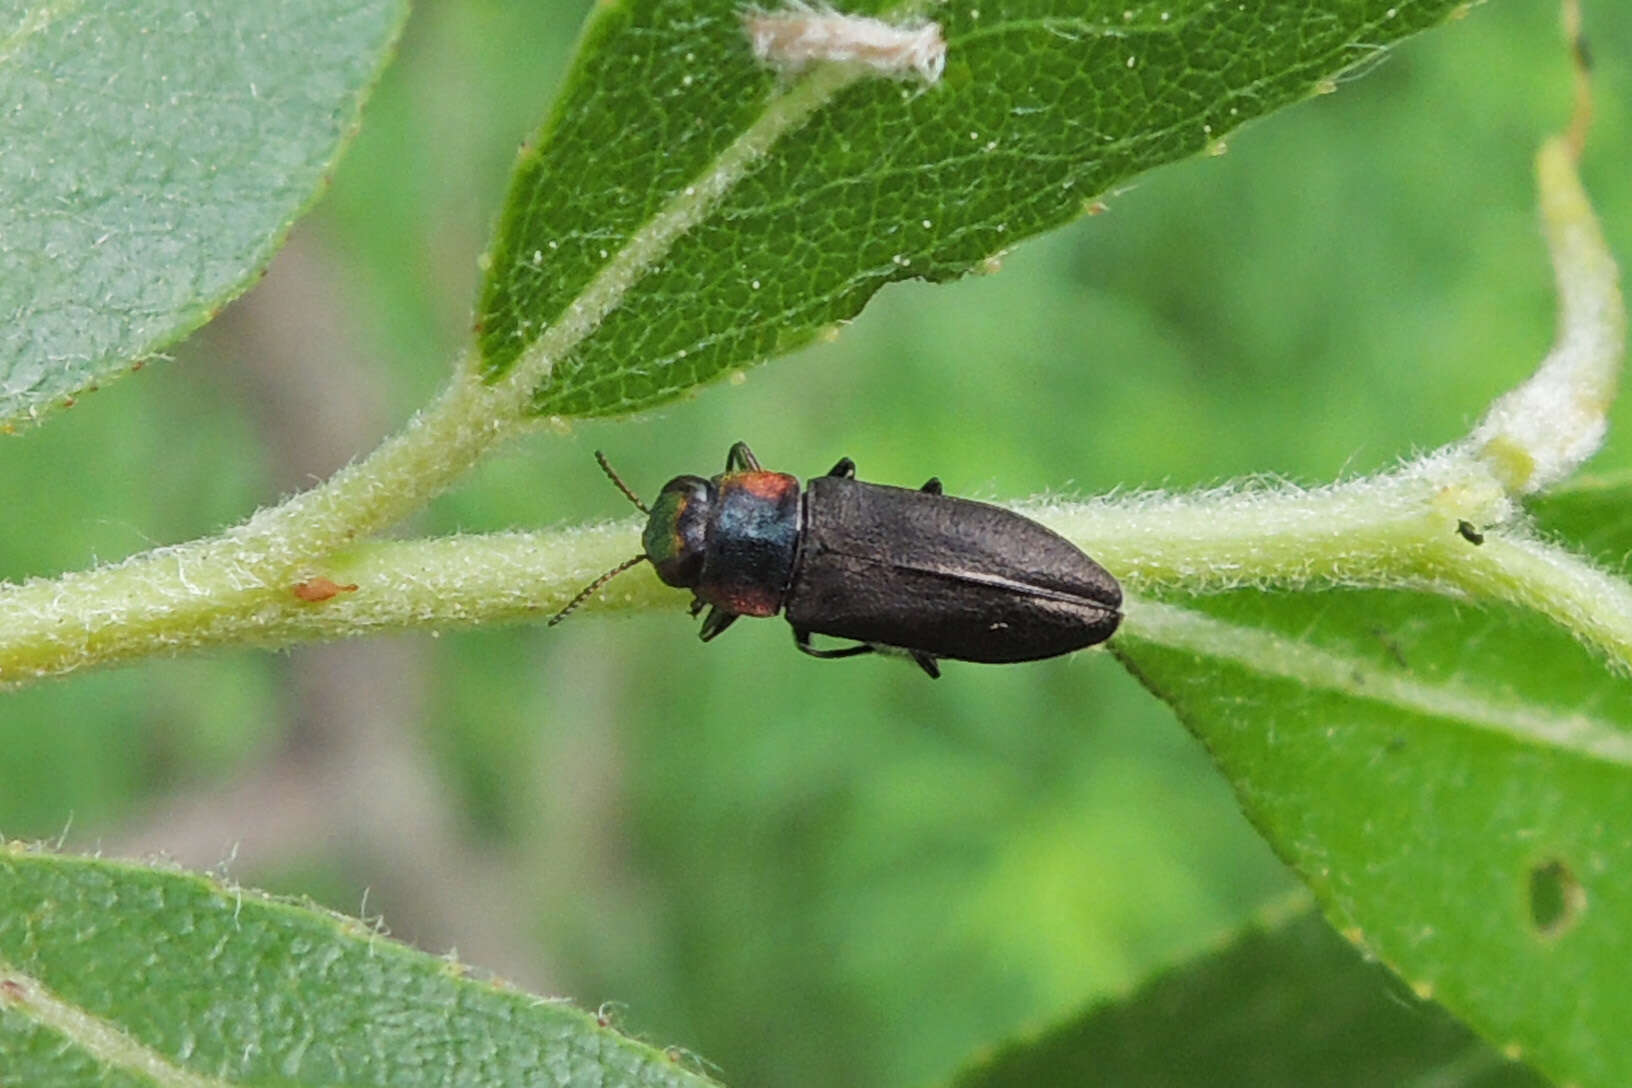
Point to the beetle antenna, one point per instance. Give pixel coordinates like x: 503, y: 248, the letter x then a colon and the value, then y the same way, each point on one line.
x: 589, y: 590
x: 607, y: 468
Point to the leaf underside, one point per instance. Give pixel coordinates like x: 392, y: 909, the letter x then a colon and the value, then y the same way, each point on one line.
x: 1454, y: 781
x: 119, y: 974
x: 1283, y: 1007
x: 154, y: 155
x: 1044, y: 105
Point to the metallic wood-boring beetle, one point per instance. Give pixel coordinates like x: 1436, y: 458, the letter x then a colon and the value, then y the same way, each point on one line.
x: 889, y: 568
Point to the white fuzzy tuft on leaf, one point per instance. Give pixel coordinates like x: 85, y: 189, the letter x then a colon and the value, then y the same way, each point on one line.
x: 796, y: 36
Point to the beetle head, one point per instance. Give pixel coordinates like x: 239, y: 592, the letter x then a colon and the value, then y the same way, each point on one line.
x: 677, y: 529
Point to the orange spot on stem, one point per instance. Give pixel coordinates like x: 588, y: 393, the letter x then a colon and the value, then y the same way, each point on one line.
x: 321, y: 589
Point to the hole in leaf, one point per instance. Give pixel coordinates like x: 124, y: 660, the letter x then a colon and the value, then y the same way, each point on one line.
x: 1556, y: 898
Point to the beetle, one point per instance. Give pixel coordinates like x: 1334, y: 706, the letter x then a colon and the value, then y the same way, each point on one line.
x: 886, y: 567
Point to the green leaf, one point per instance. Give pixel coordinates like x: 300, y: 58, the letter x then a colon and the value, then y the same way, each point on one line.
x: 1592, y: 514
x: 155, y: 154
x: 1286, y: 1005
x: 116, y: 973
x: 1453, y: 781
x: 647, y: 245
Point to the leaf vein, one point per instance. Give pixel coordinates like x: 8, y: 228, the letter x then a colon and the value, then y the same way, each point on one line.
x: 36, y: 22
x: 96, y: 1036
x: 688, y: 208
x: 1276, y: 656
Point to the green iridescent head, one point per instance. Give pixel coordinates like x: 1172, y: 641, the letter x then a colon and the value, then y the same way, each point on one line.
x: 676, y: 529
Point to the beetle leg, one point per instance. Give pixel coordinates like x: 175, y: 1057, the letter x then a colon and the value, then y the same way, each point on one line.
x: 932, y: 485
x: 801, y: 638
x: 927, y: 663
x: 741, y: 459
x: 697, y: 605
x: 845, y: 469
x: 717, y: 620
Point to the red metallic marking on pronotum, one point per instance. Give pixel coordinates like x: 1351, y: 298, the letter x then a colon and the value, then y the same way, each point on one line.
x: 748, y: 600
x: 915, y: 571
x: 762, y: 485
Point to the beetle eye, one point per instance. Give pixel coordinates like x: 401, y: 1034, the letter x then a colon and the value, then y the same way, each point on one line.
x: 676, y: 531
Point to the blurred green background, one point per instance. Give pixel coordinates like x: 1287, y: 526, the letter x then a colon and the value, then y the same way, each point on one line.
x: 808, y: 873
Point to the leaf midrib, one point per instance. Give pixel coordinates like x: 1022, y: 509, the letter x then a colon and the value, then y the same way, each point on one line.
x: 102, y: 1039
x: 690, y: 206
x: 1273, y: 655
x: 35, y: 23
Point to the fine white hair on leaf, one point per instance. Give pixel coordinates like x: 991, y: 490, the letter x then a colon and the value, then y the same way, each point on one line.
x: 797, y: 35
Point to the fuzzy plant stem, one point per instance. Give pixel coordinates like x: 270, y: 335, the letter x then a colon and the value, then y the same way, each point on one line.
x: 305, y: 570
